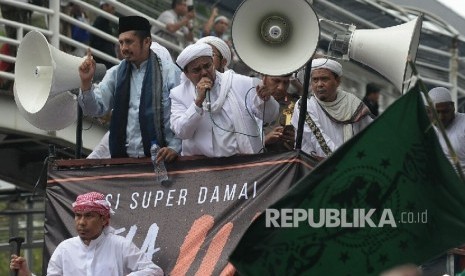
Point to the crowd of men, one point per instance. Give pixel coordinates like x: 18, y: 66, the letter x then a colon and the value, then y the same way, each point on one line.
x: 196, y: 105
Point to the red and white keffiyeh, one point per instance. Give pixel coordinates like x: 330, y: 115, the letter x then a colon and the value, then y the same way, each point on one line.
x: 92, y: 202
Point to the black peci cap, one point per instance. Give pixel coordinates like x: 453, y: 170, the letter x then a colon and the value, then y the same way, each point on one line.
x: 133, y: 23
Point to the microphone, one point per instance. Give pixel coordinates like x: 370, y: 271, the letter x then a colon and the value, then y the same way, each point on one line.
x: 208, y: 103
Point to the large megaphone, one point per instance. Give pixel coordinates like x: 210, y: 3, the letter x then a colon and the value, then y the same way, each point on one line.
x: 58, y: 112
x: 44, y: 76
x: 275, y: 37
x: 386, y: 50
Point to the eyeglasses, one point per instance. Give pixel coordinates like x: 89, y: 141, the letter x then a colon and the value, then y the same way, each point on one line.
x: 217, y: 55
x: 198, y: 69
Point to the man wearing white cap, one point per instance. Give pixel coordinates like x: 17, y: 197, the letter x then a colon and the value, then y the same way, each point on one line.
x: 96, y: 250
x: 276, y: 138
x: 453, y: 122
x: 221, y: 52
x: 333, y: 115
x: 216, y: 25
x: 221, y: 122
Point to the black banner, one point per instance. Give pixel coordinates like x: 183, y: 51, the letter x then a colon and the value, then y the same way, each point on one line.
x: 190, y: 227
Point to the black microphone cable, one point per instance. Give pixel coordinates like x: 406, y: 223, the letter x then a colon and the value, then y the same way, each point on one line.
x: 232, y: 131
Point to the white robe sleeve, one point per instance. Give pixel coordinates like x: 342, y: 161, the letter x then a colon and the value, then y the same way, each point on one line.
x: 185, y: 117
x: 137, y: 262
x: 55, y: 263
x: 267, y: 111
x: 102, y: 149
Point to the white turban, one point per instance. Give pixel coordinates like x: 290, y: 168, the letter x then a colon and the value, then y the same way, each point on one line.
x: 324, y: 63
x: 440, y: 95
x: 192, y: 52
x: 219, y: 44
x: 221, y: 17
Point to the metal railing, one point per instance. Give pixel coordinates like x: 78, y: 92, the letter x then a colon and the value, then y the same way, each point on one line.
x: 22, y: 216
x: 53, y: 18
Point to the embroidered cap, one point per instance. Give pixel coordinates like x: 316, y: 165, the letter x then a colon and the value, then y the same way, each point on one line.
x: 440, y: 95
x: 219, y: 44
x: 221, y: 17
x: 325, y: 63
x: 103, y: 2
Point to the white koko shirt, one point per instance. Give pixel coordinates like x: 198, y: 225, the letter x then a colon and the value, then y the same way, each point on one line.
x: 456, y: 134
x: 332, y: 132
x: 109, y: 255
x: 215, y: 134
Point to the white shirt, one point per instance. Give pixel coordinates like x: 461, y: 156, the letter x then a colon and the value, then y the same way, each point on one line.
x: 102, y: 150
x: 203, y: 133
x: 169, y: 17
x: 161, y: 52
x: 456, y: 134
x: 109, y: 255
x: 332, y: 132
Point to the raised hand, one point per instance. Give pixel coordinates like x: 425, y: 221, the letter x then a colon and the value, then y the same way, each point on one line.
x: 86, y: 71
x: 263, y: 92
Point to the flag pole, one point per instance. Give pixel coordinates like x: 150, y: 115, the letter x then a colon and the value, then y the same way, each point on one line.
x: 303, y: 106
x: 442, y: 130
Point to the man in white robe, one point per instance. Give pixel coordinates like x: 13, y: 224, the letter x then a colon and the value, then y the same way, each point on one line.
x: 221, y: 52
x: 96, y: 250
x: 453, y: 122
x: 220, y: 122
x: 334, y: 116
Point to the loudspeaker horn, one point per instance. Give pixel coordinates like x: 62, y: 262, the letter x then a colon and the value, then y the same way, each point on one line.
x: 58, y: 112
x: 386, y: 50
x: 275, y: 37
x: 44, y: 77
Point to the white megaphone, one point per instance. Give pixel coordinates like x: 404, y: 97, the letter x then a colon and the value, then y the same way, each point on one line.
x: 275, y: 37
x: 44, y: 76
x: 386, y: 50
x: 58, y: 113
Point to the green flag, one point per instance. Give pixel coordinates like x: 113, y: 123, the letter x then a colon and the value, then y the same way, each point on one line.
x: 386, y: 197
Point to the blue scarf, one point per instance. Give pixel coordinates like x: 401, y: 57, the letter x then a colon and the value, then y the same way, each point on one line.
x: 150, y: 108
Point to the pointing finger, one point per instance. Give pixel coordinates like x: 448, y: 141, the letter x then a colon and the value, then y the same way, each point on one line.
x: 89, y: 54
